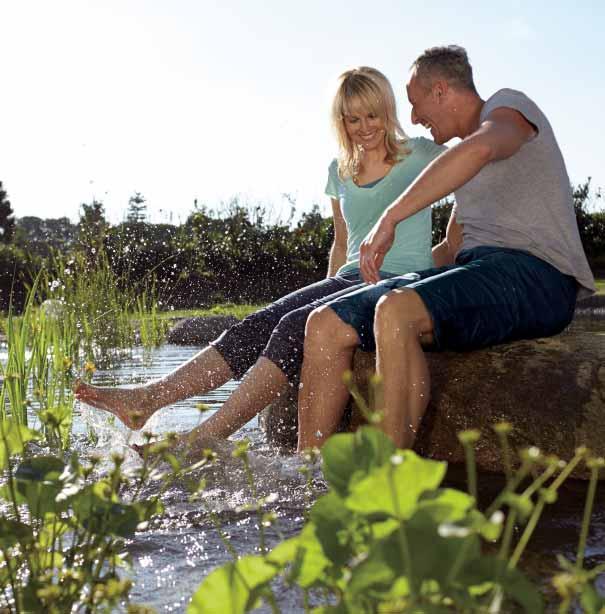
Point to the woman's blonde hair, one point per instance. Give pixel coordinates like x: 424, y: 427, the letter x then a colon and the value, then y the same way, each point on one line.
x: 369, y: 89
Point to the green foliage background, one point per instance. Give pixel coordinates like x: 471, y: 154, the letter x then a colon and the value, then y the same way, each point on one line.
x: 235, y: 254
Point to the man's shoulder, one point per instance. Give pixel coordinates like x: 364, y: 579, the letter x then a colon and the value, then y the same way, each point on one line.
x: 507, y: 97
x: 517, y: 100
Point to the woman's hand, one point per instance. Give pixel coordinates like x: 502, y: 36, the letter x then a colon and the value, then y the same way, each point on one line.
x: 374, y: 248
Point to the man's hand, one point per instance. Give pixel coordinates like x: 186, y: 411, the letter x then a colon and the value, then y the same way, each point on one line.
x: 374, y: 248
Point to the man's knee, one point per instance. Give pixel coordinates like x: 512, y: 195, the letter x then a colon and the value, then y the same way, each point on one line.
x: 325, y: 329
x: 402, y: 312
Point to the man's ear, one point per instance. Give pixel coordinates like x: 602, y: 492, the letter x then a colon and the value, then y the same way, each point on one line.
x: 440, y: 90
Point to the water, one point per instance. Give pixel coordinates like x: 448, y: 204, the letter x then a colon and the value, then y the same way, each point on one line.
x: 172, y: 557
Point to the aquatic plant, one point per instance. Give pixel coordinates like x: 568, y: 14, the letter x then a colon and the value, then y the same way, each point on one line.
x: 152, y: 327
x: 86, y: 288
x: 388, y: 537
x: 63, y: 526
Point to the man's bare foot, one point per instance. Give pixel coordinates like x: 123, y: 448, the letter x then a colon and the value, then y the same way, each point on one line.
x: 133, y: 406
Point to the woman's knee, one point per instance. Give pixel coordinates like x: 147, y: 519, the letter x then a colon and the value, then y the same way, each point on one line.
x: 291, y: 327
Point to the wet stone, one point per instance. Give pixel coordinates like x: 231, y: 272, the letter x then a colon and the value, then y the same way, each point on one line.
x: 551, y: 390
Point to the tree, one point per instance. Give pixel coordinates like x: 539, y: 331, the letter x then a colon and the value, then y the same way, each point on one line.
x: 7, y: 219
x: 137, y: 209
x: 92, y: 226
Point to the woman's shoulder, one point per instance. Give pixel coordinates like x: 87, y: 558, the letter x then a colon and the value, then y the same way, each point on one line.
x: 421, y: 146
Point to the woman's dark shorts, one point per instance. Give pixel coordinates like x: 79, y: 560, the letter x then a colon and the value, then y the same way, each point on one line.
x: 277, y: 332
x: 490, y: 296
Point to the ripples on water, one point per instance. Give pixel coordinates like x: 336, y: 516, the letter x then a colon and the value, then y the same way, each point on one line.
x: 173, y: 556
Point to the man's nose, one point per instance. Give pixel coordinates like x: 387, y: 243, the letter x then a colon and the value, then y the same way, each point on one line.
x: 414, y: 116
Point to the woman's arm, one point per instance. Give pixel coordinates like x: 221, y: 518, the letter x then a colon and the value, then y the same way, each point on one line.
x: 444, y: 253
x: 338, y: 251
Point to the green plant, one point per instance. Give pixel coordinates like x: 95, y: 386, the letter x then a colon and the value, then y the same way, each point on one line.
x: 388, y: 537
x: 88, y: 291
x: 152, y: 327
x: 63, y: 526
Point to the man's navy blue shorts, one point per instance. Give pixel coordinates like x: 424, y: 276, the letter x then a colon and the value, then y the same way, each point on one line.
x: 490, y: 296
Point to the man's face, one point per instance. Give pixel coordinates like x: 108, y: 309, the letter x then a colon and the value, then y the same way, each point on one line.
x: 428, y: 109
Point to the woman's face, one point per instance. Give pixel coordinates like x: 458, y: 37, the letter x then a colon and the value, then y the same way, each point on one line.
x: 364, y: 127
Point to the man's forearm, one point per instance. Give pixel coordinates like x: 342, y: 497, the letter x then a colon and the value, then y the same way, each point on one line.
x: 451, y: 170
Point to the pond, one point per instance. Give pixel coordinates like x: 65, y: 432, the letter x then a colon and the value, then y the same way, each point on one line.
x: 172, y: 557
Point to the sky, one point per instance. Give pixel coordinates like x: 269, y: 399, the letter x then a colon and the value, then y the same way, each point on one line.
x: 186, y: 100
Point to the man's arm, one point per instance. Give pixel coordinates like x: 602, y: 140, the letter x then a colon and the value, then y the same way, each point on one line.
x: 500, y: 136
x: 338, y: 251
x: 444, y: 253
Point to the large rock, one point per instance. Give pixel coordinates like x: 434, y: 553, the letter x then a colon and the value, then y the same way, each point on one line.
x: 199, y: 330
x: 551, y: 390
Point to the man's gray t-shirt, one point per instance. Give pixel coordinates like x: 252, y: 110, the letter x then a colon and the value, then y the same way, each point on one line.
x: 525, y: 202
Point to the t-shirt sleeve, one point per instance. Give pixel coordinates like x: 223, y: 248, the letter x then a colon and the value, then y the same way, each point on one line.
x: 511, y: 99
x: 433, y: 150
x: 428, y: 149
x: 332, y: 187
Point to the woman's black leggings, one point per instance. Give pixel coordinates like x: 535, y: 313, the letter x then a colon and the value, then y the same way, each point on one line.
x: 277, y: 332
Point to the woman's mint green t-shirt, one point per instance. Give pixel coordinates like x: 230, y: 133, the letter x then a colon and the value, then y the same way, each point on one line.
x: 361, y: 208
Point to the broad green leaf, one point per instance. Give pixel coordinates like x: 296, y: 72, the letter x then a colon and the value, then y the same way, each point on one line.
x: 332, y: 523
x: 40, y: 469
x: 232, y: 588
x: 375, y: 574
x: 446, y: 505
x: 97, y: 510
x: 513, y: 582
x: 591, y: 601
x: 348, y: 457
x: 284, y: 553
x: 437, y: 560
x: 383, y: 528
x: 13, y: 436
x: 13, y: 532
x: 310, y: 561
x: 38, y: 481
x: 394, y: 489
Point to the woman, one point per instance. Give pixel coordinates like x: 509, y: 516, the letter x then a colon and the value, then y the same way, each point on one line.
x: 376, y: 164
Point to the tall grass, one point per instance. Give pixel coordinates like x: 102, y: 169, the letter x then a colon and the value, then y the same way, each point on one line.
x: 96, y: 298
x: 78, y: 313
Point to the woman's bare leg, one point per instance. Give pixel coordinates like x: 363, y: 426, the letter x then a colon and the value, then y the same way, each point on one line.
x: 259, y: 387
x: 206, y: 371
x: 402, y: 324
x: 329, y: 348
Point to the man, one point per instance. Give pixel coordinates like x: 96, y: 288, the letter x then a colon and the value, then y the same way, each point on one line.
x: 510, y: 267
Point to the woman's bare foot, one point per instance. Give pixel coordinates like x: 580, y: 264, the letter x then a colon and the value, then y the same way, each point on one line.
x: 133, y: 406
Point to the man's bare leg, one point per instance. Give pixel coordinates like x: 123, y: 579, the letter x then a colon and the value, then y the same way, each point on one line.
x: 401, y: 325
x: 206, y: 371
x: 329, y: 347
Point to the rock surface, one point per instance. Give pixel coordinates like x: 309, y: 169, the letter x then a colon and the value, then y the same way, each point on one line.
x: 199, y: 330
x: 551, y: 390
